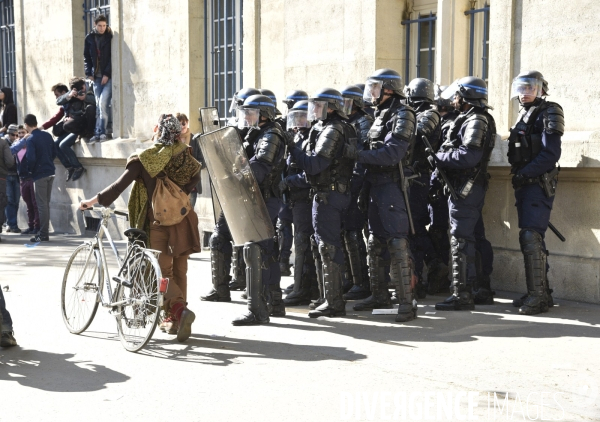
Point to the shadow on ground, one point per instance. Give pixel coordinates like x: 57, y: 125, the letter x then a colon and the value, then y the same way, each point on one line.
x: 54, y: 371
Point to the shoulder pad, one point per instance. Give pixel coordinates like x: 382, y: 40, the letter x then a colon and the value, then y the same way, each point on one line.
x: 476, y: 127
x: 554, y: 119
x: 427, y: 122
x: 404, y: 123
x: 329, y: 140
x: 268, y: 146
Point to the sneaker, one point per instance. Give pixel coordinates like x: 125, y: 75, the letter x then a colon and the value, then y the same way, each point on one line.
x: 28, y: 231
x: 78, y: 173
x: 91, y: 140
x: 8, y: 339
x: 39, y: 238
x: 13, y: 230
x: 70, y: 172
x: 102, y: 138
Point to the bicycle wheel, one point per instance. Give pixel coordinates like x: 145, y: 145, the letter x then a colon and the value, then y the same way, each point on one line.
x: 81, y: 283
x: 137, y: 318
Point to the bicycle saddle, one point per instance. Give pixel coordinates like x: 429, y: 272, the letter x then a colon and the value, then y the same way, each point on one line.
x: 136, y: 234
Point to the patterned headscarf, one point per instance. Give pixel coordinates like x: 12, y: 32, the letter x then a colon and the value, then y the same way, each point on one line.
x: 169, y: 129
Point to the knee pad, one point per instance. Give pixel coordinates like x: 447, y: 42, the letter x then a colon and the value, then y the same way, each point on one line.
x: 327, y: 251
x: 217, y: 242
x: 530, y: 240
x: 375, y: 246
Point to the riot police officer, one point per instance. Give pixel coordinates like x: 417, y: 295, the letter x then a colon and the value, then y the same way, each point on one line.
x: 355, y: 217
x: 438, y: 200
x: 293, y: 97
x: 420, y: 95
x: 285, y: 235
x: 222, y: 254
x: 328, y: 173
x: 534, y: 151
x: 305, y: 287
x: 265, y: 145
x: 390, y: 137
x: 464, y: 156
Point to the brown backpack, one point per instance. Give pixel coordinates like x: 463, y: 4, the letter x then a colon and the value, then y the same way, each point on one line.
x: 170, y: 203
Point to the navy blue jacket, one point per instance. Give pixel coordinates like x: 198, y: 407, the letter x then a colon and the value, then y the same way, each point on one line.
x: 40, y: 155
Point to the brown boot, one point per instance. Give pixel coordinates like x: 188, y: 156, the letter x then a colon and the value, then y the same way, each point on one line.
x: 183, y: 318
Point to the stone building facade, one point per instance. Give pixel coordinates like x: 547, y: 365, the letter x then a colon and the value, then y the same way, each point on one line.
x: 179, y: 55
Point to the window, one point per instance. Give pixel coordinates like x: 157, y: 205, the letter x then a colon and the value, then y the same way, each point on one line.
x: 223, y: 47
x: 479, y: 41
x: 423, y: 63
x: 93, y: 8
x: 7, y: 38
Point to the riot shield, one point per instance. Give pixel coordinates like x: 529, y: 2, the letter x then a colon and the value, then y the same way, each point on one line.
x: 209, y: 121
x: 236, y: 187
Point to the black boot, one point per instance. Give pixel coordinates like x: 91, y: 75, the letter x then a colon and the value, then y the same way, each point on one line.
x: 437, y: 276
x: 358, y: 266
x: 482, y: 291
x: 275, y: 304
x: 285, y: 268
x: 332, y: 273
x: 319, y: 270
x: 257, y: 305
x: 380, y: 297
x: 420, y: 288
x: 220, y: 272
x: 535, y: 256
x: 402, y: 273
x: 303, y: 261
x: 239, y: 269
x: 461, y: 299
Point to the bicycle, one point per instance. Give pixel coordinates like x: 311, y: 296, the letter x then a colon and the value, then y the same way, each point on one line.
x: 136, y: 297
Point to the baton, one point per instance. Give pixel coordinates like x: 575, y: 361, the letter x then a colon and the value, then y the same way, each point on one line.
x: 441, y: 172
x: 556, y: 232
x: 405, y: 194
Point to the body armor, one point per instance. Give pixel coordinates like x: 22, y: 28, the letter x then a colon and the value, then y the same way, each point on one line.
x: 525, y: 140
x: 403, y: 127
x: 269, y: 147
x: 428, y: 125
x: 327, y: 141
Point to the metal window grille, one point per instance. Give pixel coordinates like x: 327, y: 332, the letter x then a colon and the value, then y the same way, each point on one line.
x: 7, y: 38
x: 484, y: 38
x: 92, y: 9
x: 425, y: 59
x: 223, y: 47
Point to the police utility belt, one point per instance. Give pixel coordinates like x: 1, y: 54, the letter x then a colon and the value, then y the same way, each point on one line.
x: 547, y: 181
x: 464, y: 180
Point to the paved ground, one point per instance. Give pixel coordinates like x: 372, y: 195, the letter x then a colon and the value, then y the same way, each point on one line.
x: 360, y: 367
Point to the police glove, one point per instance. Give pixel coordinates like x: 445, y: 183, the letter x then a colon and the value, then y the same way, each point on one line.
x: 518, y: 180
x: 363, y: 200
x: 283, y: 186
x: 350, y: 151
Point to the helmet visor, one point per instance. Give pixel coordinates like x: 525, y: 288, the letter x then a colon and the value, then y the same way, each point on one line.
x: 450, y: 92
x: 372, y: 92
x: 347, y: 108
x: 297, y: 119
x: 234, y: 104
x: 526, y: 86
x: 248, y: 117
x: 317, y: 110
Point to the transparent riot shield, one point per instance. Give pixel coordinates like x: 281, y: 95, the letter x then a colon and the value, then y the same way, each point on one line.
x: 209, y: 121
x: 236, y: 188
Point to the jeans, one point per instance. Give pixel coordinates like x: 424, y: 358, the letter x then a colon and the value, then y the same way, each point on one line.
x: 43, y: 192
x: 28, y: 194
x: 64, y: 150
x: 103, y: 94
x: 6, y: 319
x: 3, y: 201
x: 13, y: 195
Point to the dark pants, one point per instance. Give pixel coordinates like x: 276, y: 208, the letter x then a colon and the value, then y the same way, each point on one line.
x: 327, y: 221
x: 420, y: 243
x: 6, y: 319
x: 354, y: 219
x: 439, y: 219
x: 64, y: 150
x: 43, y: 193
x: 13, y: 194
x: 484, y: 247
x: 28, y: 194
x: 302, y: 217
x: 3, y: 201
x: 286, y: 234
x: 464, y: 216
x: 533, y: 210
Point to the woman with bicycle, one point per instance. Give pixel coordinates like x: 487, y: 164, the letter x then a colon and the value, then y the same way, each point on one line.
x: 171, y: 158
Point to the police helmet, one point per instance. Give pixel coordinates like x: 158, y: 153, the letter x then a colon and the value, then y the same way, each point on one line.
x: 354, y: 93
x: 473, y: 91
x: 262, y: 103
x: 530, y: 82
x: 322, y: 100
x: 240, y: 96
x: 383, y: 79
x: 273, y: 98
x: 420, y: 90
x: 294, y: 96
